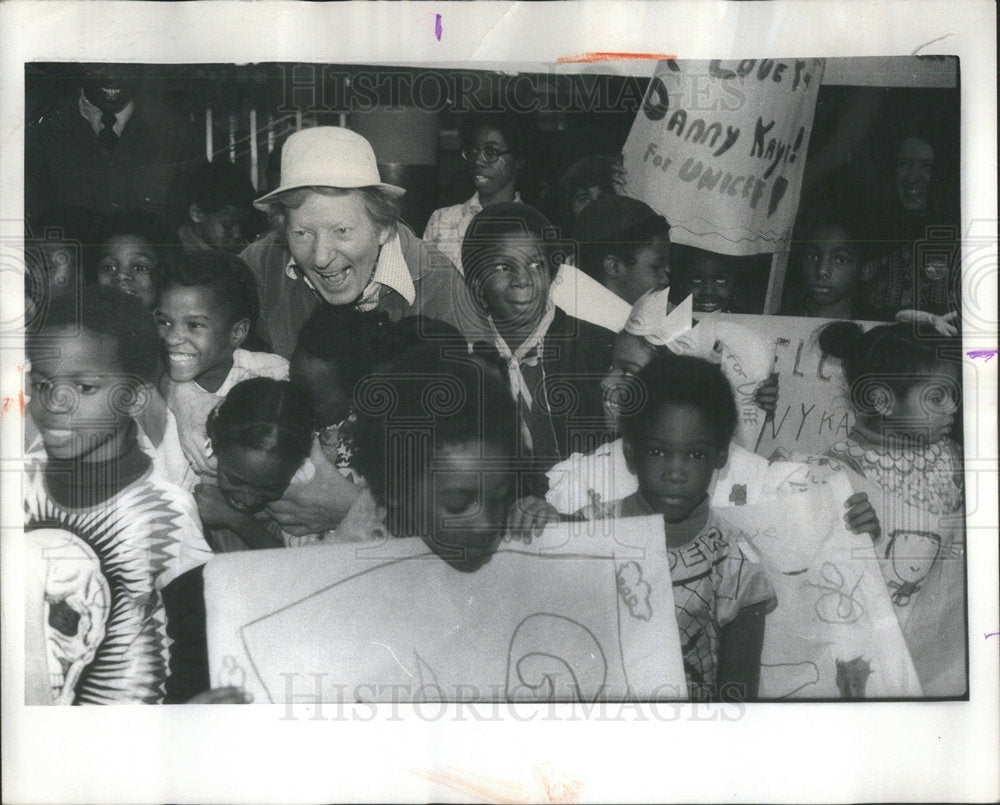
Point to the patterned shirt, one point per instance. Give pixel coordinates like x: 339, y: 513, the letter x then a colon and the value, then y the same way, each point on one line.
x: 106, y: 566
x: 447, y: 226
x: 712, y: 578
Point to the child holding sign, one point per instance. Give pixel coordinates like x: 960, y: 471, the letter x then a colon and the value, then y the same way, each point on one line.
x: 906, y: 397
x: 439, y: 465
x: 675, y: 438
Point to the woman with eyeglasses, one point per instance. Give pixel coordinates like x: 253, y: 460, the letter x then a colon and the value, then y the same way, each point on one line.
x: 494, y: 149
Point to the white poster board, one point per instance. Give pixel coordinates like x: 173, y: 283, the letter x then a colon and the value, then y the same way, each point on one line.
x: 834, y: 634
x: 814, y: 405
x: 583, y: 613
x: 718, y: 148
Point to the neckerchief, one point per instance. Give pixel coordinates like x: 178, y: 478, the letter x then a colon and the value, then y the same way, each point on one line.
x: 528, y: 354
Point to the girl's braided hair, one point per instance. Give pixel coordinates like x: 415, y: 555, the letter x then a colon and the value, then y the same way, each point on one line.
x: 264, y: 414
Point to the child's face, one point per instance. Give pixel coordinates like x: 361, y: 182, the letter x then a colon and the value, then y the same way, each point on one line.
x: 831, y: 266
x: 674, y: 459
x: 582, y: 196
x: 712, y: 283
x: 516, y: 283
x: 914, y: 167
x: 76, y: 396
x: 198, y: 335
x: 928, y: 409
x: 330, y: 401
x: 336, y: 243
x: 128, y: 263
x: 250, y: 479
x: 651, y: 271
x: 469, y: 504
x: 222, y: 229
x: 628, y: 355
x: 492, y: 178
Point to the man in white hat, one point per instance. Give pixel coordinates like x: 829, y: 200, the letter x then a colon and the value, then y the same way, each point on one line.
x: 336, y: 238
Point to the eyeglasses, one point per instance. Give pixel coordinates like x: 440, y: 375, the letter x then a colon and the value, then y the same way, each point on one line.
x: 490, y: 153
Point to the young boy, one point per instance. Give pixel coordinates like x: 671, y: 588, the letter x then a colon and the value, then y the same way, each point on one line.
x: 123, y: 618
x: 624, y: 245
x: 674, y: 440
x: 713, y: 279
x: 218, y: 209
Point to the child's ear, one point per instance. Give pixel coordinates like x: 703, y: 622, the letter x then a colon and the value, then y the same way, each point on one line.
x: 722, y: 457
x: 881, y: 400
x: 613, y: 267
x: 195, y: 213
x: 136, y: 402
x: 239, y: 333
x: 629, y: 452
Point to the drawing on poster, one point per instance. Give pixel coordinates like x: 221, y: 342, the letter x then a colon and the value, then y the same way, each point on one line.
x: 834, y: 633
x: 583, y: 626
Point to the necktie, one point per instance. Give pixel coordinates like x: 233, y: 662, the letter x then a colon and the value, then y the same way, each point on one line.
x: 107, y: 136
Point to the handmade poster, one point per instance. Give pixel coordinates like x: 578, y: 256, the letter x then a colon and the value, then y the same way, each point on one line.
x: 718, y: 147
x: 814, y: 404
x: 922, y: 557
x: 580, y: 614
x: 834, y: 634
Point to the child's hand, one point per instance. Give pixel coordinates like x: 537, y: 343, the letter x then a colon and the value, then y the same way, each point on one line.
x: 861, y: 517
x: 766, y: 394
x: 527, y: 517
x: 942, y: 324
x: 319, y: 505
x: 197, y: 449
x: 212, y: 506
x: 230, y: 695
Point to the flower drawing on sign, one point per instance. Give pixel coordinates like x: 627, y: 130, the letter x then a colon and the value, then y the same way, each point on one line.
x: 634, y: 591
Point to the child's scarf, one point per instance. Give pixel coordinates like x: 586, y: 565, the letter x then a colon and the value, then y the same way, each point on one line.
x: 528, y: 354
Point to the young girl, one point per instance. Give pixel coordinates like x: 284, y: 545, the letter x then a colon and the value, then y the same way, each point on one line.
x: 204, y: 315
x: 906, y: 398
x: 552, y: 360
x: 336, y: 348
x: 675, y: 438
x: 261, y: 435
x: 745, y: 478
x: 436, y: 448
x: 494, y: 145
x: 832, y: 265
x: 133, y: 254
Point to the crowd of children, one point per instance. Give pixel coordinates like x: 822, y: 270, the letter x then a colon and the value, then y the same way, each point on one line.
x: 170, y: 419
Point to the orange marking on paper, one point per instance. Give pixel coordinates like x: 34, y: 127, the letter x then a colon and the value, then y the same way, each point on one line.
x: 549, y: 785
x: 8, y: 403
x: 608, y: 56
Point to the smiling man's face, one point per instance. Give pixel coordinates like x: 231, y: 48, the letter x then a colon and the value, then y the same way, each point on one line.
x: 109, y: 87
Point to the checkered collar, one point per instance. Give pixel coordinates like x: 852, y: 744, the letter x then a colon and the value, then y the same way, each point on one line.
x: 474, y: 205
x: 390, y: 272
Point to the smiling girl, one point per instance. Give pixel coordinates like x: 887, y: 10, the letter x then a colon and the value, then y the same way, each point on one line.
x: 494, y: 149
x: 133, y: 255
x: 553, y: 361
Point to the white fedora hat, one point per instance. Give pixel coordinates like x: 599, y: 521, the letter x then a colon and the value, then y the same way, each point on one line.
x: 327, y: 156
